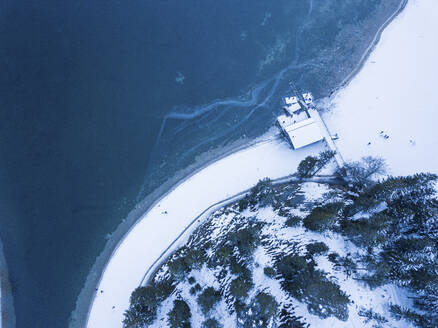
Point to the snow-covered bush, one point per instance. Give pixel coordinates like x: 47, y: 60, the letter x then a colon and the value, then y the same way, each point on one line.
x: 240, y: 287
x: 211, y: 323
x: 323, y: 217
x: 179, y: 316
x: 311, y: 165
x: 143, y: 307
x: 303, y: 281
x: 208, y: 298
x: 316, y: 248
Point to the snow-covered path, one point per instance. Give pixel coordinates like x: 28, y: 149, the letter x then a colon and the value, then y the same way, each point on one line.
x: 156, y: 230
x: 395, y: 94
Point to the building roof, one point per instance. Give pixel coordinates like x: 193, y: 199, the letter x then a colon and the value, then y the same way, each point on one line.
x: 300, y: 134
x: 284, y: 121
x: 308, y: 98
x: 290, y: 100
x: 297, y: 125
x: 291, y: 109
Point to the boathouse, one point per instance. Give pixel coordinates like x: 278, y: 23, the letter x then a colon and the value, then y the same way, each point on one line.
x: 299, y: 128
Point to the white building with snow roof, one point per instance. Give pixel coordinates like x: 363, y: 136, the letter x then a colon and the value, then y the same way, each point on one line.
x: 292, y: 104
x: 299, y: 128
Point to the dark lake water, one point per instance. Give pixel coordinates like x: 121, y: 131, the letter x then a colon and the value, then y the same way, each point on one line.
x: 102, y: 101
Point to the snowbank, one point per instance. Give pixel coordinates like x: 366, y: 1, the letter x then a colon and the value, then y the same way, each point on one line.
x: 395, y: 92
x: 156, y: 230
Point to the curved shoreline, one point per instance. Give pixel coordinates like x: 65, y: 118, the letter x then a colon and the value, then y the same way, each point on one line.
x: 271, y: 158
x: 395, y: 94
x: 80, y: 315
x: 377, y: 36
x: 369, y: 49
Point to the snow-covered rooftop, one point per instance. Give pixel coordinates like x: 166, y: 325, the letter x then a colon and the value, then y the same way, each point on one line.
x: 302, y: 133
x: 285, y: 120
x: 299, y: 128
x: 291, y: 109
x: 308, y: 98
x: 290, y: 100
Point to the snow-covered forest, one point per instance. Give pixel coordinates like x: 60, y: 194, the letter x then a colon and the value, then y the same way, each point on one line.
x: 359, y: 251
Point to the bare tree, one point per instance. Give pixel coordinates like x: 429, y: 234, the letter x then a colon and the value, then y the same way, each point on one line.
x: 362, y: 174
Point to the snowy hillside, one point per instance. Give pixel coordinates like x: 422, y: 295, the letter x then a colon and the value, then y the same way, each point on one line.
x: 300, y: 255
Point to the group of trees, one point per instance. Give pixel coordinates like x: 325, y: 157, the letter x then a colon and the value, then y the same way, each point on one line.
x: 400, y: 231
x: 302, y: 280
x: 179, y: 316
x: 396, y: 220
x: 143, y: 309
x: 323, y: 217
x: 144, y: 303
x: 311, y: 165
x: 362, y: 174
x: 411, y: 245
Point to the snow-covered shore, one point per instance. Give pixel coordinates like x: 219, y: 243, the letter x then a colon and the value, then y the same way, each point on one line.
x: 395, y: 92
x: 157, y: 229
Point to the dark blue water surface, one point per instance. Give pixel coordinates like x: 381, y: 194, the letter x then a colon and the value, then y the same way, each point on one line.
x: 102, y: 101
